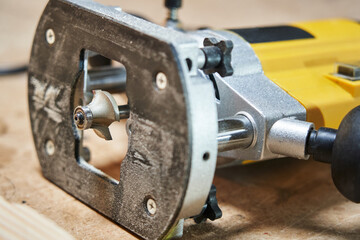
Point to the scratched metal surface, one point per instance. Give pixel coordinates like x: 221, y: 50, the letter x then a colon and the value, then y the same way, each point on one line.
x: 278, y: 199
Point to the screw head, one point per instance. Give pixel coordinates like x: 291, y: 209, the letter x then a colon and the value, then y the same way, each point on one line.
x: 151, y: 206
x: 79, y: 119
x: 49, y: 148
x: 161, y: 80
x: 50, y: 36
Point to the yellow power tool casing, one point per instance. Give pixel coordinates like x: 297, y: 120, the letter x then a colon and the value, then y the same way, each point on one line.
x: 305, y: 68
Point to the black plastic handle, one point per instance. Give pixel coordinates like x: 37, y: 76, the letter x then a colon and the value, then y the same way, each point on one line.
x: 341, y: 149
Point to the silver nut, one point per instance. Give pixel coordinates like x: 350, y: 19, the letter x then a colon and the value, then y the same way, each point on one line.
x: 50, y: 36
x: 151, y: 206
x: 161, y: 80
x: 49, y: 148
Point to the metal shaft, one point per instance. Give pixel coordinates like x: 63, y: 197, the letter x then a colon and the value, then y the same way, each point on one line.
x: 108, y: 79
x: 124, y: 111
x: 234, y: 133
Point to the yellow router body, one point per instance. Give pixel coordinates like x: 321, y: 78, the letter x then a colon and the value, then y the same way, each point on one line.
x: 304, y: 68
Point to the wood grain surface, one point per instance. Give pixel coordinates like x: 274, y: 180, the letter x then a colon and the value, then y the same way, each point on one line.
x: 278, y: 199
x: 18, y: 221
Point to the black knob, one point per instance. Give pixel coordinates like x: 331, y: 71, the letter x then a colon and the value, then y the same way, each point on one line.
x: 218, y: 56
x: 345, y: 164
x: 211, y: 208
x: 173, y: 3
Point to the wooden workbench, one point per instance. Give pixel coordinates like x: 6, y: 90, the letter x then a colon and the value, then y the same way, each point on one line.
x: 278, y: 199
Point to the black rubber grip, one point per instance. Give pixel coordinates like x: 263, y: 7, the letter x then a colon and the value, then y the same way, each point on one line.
x: 272, y: 34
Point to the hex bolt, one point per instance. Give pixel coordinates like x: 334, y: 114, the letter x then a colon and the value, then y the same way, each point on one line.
x: 161, y: 81
x: 49, y: 148
x: 50, y: 36
x: 151, y: 206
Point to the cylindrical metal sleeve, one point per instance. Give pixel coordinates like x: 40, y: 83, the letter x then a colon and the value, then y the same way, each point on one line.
x: 288, y: 137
